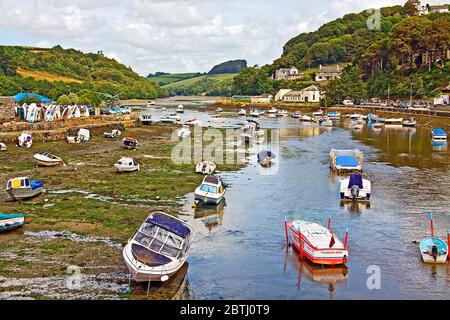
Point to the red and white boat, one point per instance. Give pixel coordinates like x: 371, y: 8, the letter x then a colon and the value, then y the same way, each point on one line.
x: 317, y: 243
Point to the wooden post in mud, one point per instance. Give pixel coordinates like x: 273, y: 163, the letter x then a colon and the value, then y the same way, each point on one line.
x: 346, y: 238
x: 286, y: 232
x: 431, y: 224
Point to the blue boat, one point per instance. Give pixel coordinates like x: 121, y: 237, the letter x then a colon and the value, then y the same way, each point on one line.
x: 433, y: 249
x: 11, y: 221
x: 439, y: 134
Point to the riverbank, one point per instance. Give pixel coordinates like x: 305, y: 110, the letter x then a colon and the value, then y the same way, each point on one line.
x: 228, y: 105
x: 89, y: 212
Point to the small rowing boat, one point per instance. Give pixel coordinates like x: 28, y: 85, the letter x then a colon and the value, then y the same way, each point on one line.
x: 433, y: 249
x: 130, y: 143
x: 316, y: 243
x: 47, y: 159
x: 11, y: 221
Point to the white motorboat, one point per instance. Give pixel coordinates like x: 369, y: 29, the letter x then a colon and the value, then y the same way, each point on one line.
x: 409, y: 122
x: 205, y: 167
x: 255, y: 113
x: 217, y: 119
x: 25, y: 140
x: 180, y: 109
x: 318, y: 113
x: 146, y: 119
x: 272, y: 112
x: 193, y: 122
x: 47, y: 159
x: 296, y: 114
x: 218, y: 110
x: 3, y: 147
x: 159, y: 248
x: 24, y: 188
x: 334, y: 115
x: 242, y: 112
x: 306, y: 118
x: 355, y: 116
x: 211, y: 191
x: 355, y: 188
x: 111, y: 135
x: 170, y: 118
x: 282, y: 113
x: 184, y: 132
x: 327, y: 123
x: 393, y: 121
x: 126, y: 164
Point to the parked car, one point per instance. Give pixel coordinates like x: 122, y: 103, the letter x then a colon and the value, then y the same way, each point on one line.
x: 348, y: 103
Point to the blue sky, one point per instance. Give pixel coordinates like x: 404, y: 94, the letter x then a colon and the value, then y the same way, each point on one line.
x: 172, y: 35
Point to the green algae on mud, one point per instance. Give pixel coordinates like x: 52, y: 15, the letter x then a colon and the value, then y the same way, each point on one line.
x: 87, y: 197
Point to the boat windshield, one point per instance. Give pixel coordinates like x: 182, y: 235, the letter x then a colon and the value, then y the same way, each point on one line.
x: 159, y: 240
x: 208, y: 188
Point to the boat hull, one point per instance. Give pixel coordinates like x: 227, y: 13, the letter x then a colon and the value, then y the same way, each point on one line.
x: 426, y: 252
x: 12, y: 223
x: 24, y: 193
x: 44, y: 163
x: 208, y: 198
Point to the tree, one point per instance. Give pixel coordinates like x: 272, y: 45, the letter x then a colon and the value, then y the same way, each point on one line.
x: 64, y: 100
x: 350, y: 85
x: 73, y: 98
x: 253, y: 81
x: 410, y: 7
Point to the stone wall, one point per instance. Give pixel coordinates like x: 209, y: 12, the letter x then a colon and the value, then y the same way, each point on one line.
x: 7, y: 109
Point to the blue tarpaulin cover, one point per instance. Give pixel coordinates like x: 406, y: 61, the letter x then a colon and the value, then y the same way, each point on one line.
x: 439, y: 132
x: 20, y: 96
x: 169, y: 224
x: 347, y: 161
x: 356, y: 180
x: 35, y: 184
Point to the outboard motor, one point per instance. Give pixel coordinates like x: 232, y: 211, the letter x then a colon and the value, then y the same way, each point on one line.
x: 354, y: 190
x: 204, y: 168
x: 434, y: 252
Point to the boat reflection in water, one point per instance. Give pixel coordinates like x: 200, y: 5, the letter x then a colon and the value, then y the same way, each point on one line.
x: 210, y: 216
x: 440, y: 146
x: 355, y: 206
x: 176, y: 288
x: 328, y: 275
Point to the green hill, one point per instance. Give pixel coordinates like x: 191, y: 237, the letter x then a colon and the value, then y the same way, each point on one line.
x: 393, y: 53
x: 173, y: 77
x: 211, y: 85
x: 57, y: 71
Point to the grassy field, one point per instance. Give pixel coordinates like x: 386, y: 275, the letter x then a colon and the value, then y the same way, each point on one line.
x: 173, y: 77
x: 43, y: 75
x: 193, y: 81
x: 87, y: 198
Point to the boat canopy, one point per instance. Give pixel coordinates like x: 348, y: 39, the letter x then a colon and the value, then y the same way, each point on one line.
x: 169, y: 224
x: 20, y: 96
x: 150, y: 258
x: 265, y: 153
x: 211, y: 180
x: 355, y: 180
x: 439, y: 132
x: 347, y: 161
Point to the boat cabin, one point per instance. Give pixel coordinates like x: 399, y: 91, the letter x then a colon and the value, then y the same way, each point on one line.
x: 211, y: 184
x: 24, y: 182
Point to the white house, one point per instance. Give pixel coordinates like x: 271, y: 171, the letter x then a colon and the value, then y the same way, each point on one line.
x: 308, y: 94
x: 264, y: 98
x: 439, y: 8
x: 280, y: 94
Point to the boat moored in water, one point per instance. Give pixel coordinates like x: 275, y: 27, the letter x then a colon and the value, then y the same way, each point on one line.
x: 242, y: 112
x: 411, y: 122
x: 334, y: 115
x: 316, y: 243
x: 438, y: 134
x: 11, y: 221
x: 193, y: 122
x: 393, y: 120
x: 47, y: 159
x: 24, y: 188
x: 180, y: 109
x: 265, y: 158
x: 355, y: 188
x: 159, y: 248
x: 346, y: 161
x: 211, y: 191
x: 433, y: 249
x: 296, y: 115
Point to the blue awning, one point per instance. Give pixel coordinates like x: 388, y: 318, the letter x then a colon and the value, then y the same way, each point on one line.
x: 20, y: 96
x: 170, y: 224
x: 347, y: 161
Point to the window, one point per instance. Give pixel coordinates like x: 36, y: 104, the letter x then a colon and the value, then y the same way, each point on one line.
x: 143, y: 239
x: 208, y: 188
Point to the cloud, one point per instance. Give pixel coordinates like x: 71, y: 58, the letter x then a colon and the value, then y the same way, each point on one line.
x: 172, y: 35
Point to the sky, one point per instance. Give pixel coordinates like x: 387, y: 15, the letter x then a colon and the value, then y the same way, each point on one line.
x: 172, y: 35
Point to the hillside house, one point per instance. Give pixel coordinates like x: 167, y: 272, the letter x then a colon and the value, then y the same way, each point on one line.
x: 438, y: 8
x: 327, y: 73
x: 264, y: 98
x: 308, y: 94
x: 291, y: 73
x: 7, y: 109
x: 281, y: 93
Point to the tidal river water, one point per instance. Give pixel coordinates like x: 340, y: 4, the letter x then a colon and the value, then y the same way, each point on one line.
x: 240, y: 253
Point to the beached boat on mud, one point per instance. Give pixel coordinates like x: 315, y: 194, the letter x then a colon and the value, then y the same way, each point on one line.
x: 130, y: 143
x: 25, y: 140
x: 433, y: 249
x: 24, y: 188
x: 355, y: 188
x: 126, y: 164
x: 211, y: 191
x: 47, y: 159
x: 438, y: 134
x: 346, y: 161
x: 316, y: 243
x: 411, y: 122
x: 205, y: 167
x: 265, y: 158
x: 193, y: 122
x: 3, y: 147
x: 112, y: 134
x: 159, y: 248
x: 145, y: 119
x: 11, y: 221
